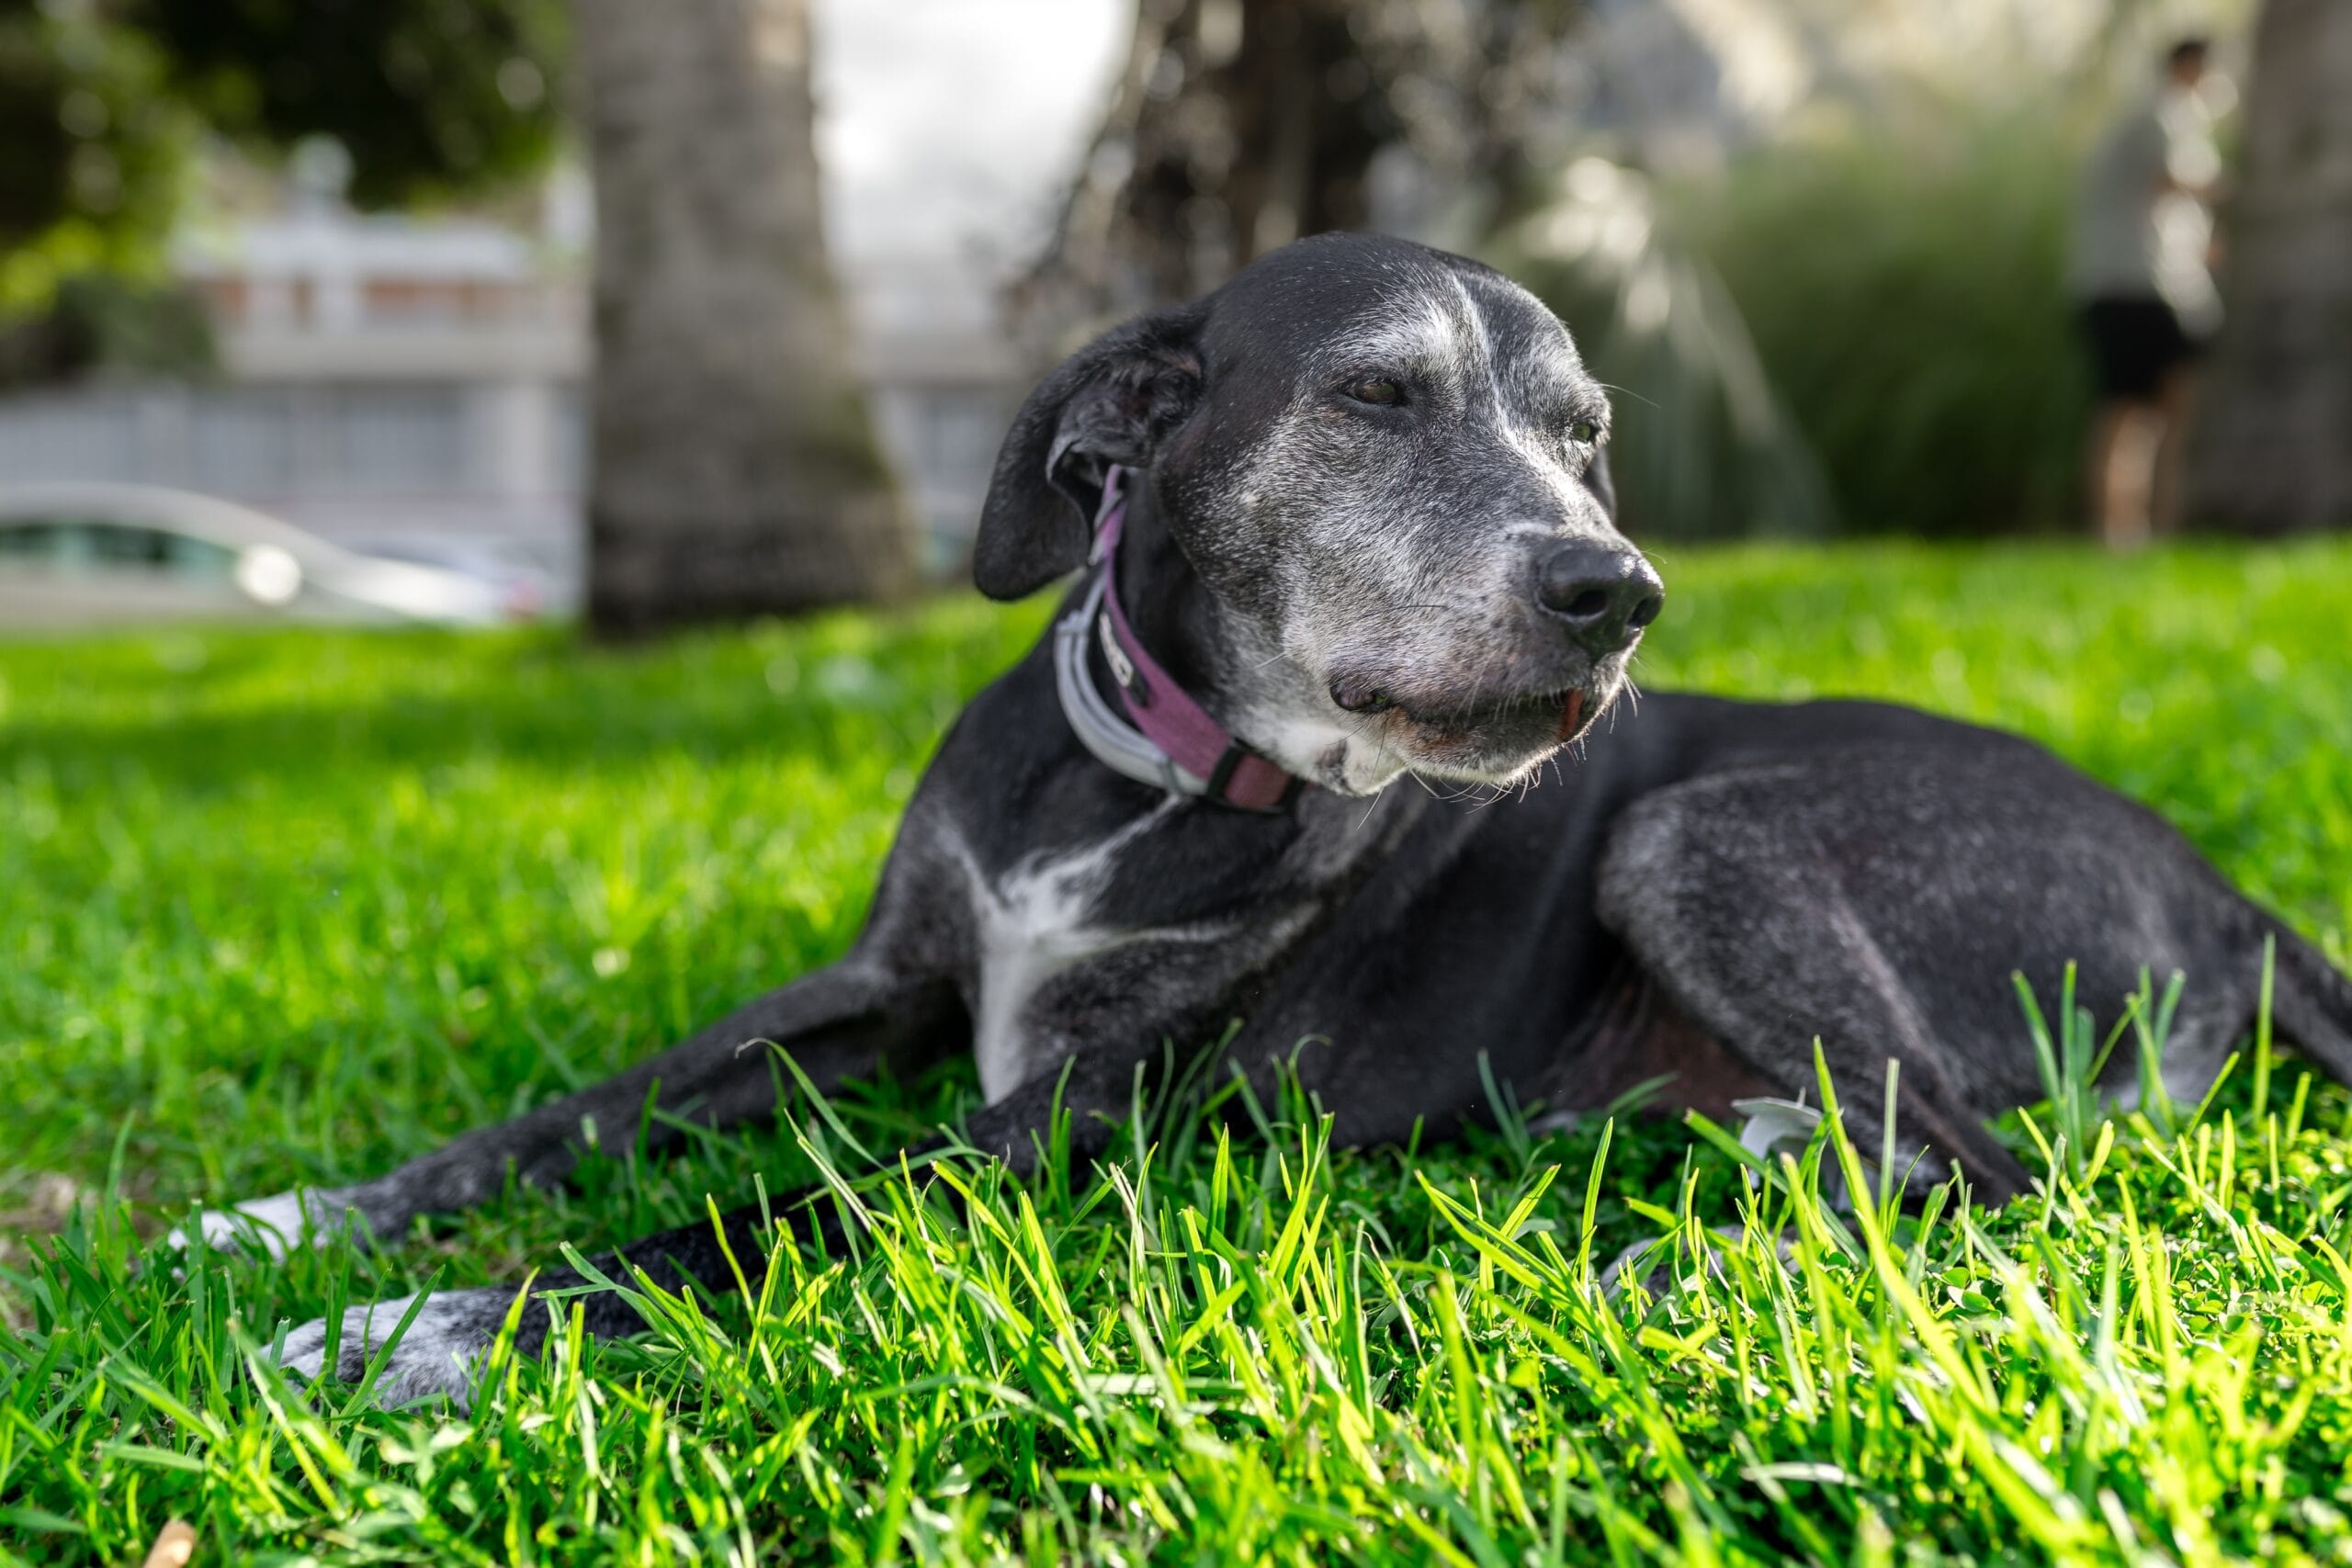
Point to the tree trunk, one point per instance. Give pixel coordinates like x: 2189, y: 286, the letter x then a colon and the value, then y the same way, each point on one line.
x: 2272, y: 449
x: 735, y: 471
x: 1240, y: 125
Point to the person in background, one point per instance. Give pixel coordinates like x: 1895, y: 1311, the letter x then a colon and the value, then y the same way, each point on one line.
x: 2143, y: 233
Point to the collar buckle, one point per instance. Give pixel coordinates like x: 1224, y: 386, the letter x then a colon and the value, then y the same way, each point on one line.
x: 1220, y: 781
x: 1123, y: 669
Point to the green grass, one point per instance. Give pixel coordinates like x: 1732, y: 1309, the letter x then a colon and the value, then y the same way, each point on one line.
x: 292, y: 907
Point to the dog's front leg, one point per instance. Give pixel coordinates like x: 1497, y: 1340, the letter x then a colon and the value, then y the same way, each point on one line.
x: 442, y: 1350
x: 836, y: 1024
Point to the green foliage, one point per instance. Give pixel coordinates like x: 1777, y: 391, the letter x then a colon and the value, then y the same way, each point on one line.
x: 426, y: 95
x: 1703, y: 445
x: 293, y: 906
x: 33, y: 178
x: 101, y: 106
x: 1864, y: 326
x: 104, y: 320
x: 91, y: 152
x: 1902, y: 277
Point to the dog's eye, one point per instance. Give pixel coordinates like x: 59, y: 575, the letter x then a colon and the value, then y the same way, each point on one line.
x: 1378, y: 390
x: 1583, y: 433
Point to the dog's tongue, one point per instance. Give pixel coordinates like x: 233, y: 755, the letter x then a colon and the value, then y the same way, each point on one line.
x: 1570, y: 712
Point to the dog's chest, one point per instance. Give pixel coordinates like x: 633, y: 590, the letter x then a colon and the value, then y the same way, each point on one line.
x: 1033, y: 923
x: 1118, y: 909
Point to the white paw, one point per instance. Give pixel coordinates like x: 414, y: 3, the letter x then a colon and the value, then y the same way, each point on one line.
x: 1774, y: 1124
x: 441, y: 1352
x: 271, y: 1227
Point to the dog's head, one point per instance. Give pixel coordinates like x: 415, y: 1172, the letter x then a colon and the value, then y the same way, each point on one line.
x: 1384, y: 463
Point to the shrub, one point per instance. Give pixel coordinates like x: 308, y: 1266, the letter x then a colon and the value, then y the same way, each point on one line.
x: 1701, y: 445
x: 1863, y: 327
x: 1903, y: 281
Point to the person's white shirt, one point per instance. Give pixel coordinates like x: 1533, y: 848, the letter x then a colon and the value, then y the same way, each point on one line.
x: 2139, y: 235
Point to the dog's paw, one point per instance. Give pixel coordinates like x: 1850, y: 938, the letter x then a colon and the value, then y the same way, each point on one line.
x: 441, y: 1353
x: 271, y: 1227
x: 1774, y: 1124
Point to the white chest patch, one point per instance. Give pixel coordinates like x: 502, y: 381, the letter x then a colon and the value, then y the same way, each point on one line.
x: 1034, y: 921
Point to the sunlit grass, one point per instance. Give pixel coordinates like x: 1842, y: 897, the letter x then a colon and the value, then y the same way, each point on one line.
x: 280, y: 908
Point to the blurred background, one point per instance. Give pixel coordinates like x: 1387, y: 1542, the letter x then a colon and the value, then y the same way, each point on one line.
x: 487, y: 309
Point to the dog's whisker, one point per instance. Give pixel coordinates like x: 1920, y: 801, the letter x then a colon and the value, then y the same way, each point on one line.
x: 1626, y: 393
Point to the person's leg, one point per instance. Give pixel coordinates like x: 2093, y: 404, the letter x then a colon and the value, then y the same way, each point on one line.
x: 2134, y: 344
x: 2125, y: 435
x: 2173, y: 395
x: 2098, y: 462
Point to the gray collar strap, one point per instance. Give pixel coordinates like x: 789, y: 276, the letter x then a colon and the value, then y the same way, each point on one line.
x: 1115, y: 742
x: 1164, y: 737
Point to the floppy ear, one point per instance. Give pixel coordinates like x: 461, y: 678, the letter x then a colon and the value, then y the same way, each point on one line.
x: 1112, y: 401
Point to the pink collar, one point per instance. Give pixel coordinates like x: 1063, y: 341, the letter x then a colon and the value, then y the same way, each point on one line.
x: 1207, y: 759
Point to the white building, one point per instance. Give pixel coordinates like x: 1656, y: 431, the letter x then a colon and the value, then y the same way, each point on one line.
x: 386, y: 378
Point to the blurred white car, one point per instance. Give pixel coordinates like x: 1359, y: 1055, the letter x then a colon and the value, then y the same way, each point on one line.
x: 96, y: 554
x: 534, y: 584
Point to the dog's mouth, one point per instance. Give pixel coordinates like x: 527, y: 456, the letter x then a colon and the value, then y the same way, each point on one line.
x: 1571, y: 714
x: 1499, y: 736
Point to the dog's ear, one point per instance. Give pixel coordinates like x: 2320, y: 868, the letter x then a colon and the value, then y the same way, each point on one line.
x: 1112, y: 401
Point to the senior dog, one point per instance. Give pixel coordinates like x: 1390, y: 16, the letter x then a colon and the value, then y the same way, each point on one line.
x: 1347, y: 522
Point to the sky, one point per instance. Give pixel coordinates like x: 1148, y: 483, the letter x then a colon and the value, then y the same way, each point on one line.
x: 943, y: 124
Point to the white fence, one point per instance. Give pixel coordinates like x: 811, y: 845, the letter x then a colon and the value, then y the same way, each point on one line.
x: 369, y: 460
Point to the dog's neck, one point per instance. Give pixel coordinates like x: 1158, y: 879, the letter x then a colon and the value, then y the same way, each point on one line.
x: 1172, y: 611
x: 1168, y: 630
x: 1324, y: 843
x: 1226, y: 664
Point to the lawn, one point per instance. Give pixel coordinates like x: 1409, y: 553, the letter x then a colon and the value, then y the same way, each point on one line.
x: 281, y: 908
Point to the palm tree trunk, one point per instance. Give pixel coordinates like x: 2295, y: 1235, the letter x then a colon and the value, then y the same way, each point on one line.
x: 2272, y: 449
x: 1240, y: 125
x: 735, y: 471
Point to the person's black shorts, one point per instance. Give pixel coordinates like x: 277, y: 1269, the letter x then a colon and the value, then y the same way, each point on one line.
x: 2133, y: 343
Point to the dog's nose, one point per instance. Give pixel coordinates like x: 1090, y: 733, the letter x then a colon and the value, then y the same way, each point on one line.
x: 1603, y: 593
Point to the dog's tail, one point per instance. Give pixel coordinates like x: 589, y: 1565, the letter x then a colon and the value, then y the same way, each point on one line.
x: 2312, y: 1004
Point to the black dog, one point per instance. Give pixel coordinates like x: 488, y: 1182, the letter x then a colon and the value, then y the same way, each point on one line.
x: 1367, y: 530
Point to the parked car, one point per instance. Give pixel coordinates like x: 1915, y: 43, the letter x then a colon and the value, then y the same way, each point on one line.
x: 100, y: 553
x: 536, y: 581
